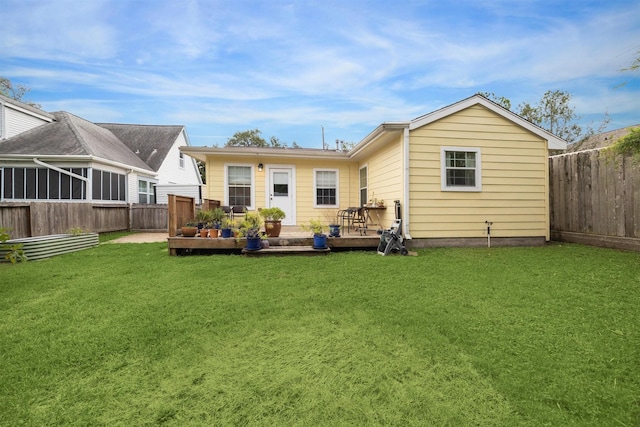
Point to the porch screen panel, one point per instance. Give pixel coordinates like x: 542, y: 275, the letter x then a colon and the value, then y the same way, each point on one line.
x: 18, y: 183
x: 114, y: 187
x: 7, y: 183
x: 77, y: 185
x: 54, y: 184
x: 31, y: 183
x: 43, y: 184
x: 96, y: 185
x: 123, y: 187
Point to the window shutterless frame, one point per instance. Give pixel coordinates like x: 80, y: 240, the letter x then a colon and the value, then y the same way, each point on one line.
x: 460, y: 169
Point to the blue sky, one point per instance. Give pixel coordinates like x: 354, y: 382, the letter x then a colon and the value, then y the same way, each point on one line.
x: 290, y: 68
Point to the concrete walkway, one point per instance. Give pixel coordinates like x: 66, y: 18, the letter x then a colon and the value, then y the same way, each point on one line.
x: 142, y: 238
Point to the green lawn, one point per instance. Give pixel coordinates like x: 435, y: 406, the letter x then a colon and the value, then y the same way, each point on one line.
x: 124, y: 334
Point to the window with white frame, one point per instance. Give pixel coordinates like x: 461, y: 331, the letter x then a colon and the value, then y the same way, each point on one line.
x: 461, y: 169
x: 239, y: 185
x: 326, y: 187
x: 364, y: 189
x: 181, y: 164
x: 146, y: 192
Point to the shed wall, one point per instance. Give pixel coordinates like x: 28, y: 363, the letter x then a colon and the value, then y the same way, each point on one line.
x: 514, y: 168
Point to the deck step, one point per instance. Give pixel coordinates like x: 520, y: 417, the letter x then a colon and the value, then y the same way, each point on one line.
x: 287, y: 250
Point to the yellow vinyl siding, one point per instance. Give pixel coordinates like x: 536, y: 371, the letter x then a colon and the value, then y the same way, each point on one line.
x: 514, y: 192
x: 385, y: 178
x: 305, y: 194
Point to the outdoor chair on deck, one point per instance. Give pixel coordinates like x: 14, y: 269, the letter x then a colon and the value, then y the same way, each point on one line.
x: 227, y: 210
x: 354, y: 218
x: 238, y: 211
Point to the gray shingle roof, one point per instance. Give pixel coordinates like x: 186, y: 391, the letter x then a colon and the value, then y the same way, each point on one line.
x: 141, y: 146
x: 150, y: 143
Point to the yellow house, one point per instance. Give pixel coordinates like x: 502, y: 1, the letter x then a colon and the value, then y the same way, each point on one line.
x: 453, y: 173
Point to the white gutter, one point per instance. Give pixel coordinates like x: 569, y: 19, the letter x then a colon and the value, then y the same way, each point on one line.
x: 405, y: 202
x: 10, y: 157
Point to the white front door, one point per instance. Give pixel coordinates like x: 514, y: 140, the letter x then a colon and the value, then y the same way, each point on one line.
x: 281, y: 191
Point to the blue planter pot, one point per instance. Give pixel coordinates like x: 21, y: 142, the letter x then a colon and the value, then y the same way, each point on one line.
x: 319, y: 241
x: 334, y: 230
x: 253, y: 244
x: 226, y: 232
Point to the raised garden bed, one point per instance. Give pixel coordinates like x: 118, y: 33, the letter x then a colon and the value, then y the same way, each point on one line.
x: 56, y: 244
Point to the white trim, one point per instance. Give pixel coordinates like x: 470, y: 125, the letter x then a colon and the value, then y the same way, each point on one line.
x: 406, y: 221
x: 478, y: 169
x: 315, y: 198
x: 253, y: 183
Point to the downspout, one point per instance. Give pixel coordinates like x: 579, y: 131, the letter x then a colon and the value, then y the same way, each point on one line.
x: 48, y: 166
x: 405, y: 206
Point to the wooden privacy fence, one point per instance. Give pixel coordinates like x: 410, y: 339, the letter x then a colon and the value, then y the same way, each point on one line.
x: 595, y: 199
x: 46, y: 218
x: 149, y: 217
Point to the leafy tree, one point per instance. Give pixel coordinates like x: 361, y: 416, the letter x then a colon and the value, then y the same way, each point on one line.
x: 202, y: 170
x: 500, y: 100
x: 253, y: 138
x: 629, y: 144
x: 555, y: 114
x: 247, y: 138
x: 15, y: 91
x: 635, y: 65
x: 344, y: 145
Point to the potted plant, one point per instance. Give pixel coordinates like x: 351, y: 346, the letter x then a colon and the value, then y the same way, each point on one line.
x: 226, y: 227
x: 318, y: 229
x: 204, y: 218
x: 214, y: 225
x: 272, y: 220
x: 249, y: 228
x: 334, y: 226
x: 190, y: 228
x: 217, y: 215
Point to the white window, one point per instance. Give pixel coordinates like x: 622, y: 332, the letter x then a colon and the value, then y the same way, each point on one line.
x: 239, y: 184
x: 364, y: 189
x: 325, y: 184
x: 460, y: 169
x: 146, y: 192
x: 181, y: 160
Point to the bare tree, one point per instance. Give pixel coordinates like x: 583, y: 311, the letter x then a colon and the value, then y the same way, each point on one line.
x: 15, y: 91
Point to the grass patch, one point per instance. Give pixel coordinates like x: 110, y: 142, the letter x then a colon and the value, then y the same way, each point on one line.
x: 126, y: 335
x: 113, y: 235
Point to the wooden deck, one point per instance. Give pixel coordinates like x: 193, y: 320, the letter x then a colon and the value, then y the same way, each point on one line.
x: 289, y: 238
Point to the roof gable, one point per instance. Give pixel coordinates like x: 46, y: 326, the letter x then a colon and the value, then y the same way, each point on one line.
x: 70, y: 135
x: 554, y: 143
x: 150, y: 143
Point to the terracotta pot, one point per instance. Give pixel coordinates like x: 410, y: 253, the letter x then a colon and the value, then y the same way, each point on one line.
x: 213, y: 233
x: 273, y: 228
x: 189, y: 231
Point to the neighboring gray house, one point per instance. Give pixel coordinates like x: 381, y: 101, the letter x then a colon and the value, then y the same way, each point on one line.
x: 67, y: 158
